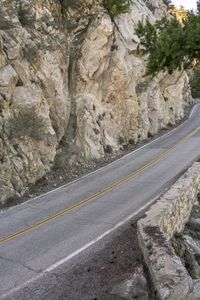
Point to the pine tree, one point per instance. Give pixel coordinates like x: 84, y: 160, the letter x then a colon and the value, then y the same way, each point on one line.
x: 171, y: 43
x: 181, y: 14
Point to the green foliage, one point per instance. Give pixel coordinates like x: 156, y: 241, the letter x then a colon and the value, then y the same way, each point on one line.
x: 69, y: 3
x: 121, y: 140
x: 108, y: 149
x: 131, y: 142
x: 179, y: 13
x: 116, y: 7
x: 171, y: 44
x: 164, y: 41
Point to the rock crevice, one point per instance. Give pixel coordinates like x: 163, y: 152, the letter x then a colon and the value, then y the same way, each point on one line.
x: 72, y: 87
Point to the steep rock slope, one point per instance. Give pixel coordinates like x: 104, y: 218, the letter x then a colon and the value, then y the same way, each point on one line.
x: 72, y: 86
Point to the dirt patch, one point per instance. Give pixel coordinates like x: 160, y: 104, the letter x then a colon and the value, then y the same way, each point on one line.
x: 104, y: 274
x: 111, y: 266
x: 157, y: 238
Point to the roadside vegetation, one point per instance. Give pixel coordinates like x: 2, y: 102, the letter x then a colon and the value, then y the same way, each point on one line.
x: 117, y: 7
x: 171, y: 44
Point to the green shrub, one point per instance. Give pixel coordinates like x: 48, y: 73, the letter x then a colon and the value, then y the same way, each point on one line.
x: 108, y: 149
x: 125, y: 147
x: 117, y: 7
x: 121, y: 140
x: 131, y: 142
x: 172, y: 44
x: 69, y: 3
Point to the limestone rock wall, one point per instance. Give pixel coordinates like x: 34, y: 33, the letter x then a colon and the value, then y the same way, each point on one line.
x: 70, y: 76
x: 34, y: 99
x: 114, y: 102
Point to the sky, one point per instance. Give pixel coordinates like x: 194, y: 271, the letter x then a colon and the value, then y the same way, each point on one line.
x: 188, y: 4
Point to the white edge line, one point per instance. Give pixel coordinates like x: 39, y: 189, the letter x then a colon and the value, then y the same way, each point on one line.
x: 113, y: 162
x: 75, y: 253
x: 80, y: 250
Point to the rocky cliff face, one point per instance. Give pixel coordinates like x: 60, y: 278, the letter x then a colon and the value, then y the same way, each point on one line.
x: 72, y: 86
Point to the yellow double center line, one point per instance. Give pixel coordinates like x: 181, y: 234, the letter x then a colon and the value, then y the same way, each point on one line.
x: 100, y: 193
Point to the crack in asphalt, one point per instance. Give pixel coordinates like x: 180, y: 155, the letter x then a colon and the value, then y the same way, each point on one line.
x: 21, y: 264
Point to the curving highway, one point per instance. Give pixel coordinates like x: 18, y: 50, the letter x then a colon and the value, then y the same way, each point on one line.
x: 55, y: 229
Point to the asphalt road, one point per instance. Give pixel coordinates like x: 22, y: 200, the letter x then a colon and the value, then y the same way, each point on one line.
x: 39, y: 236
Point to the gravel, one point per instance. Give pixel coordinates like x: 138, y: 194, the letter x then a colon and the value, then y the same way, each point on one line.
x: 112, y: 271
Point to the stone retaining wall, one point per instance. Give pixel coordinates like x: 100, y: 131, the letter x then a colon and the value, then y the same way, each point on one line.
x: 168, y: 216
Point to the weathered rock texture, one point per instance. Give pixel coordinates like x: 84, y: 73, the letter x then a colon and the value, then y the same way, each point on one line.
x: 71, y: 86
x: 187, y: 247
x: 167, y: 217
